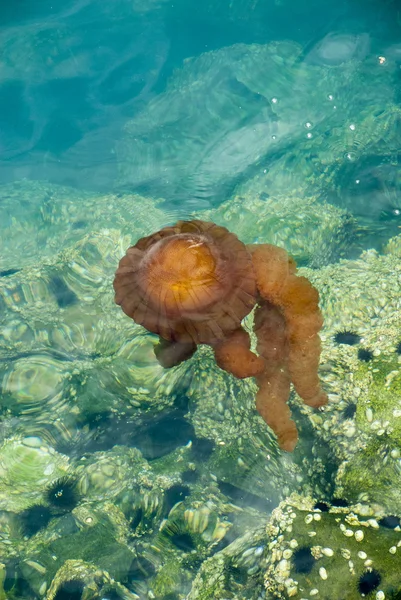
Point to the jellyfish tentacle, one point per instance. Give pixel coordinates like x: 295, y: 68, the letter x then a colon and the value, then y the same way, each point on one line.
x: 234, y: 355
x: 293, y: 299
x: 274, y: 389
x: 300, y: 304
x: 272, y: 267
x: 171, y: 354
x: 303, y: 363
x: 274, y: 382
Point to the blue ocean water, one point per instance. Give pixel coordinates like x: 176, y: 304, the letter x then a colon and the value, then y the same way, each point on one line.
x: 280, y: 120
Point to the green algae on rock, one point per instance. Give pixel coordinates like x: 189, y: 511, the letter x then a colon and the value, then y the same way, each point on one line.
x: 2, y: 578
x: 307, y: 549
x: 94, y: 534
x: 361, y: 422
x: 58, y: 357
x: 182, y: 515
x: 77, y: 576
x: 149, y: 530
x: 26, y: 466
x: 234, y: 572
x: 328, y: 553
x: 48, y: 218
x: 314, y: 235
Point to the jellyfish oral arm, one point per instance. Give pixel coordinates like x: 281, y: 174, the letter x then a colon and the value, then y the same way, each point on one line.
x: 170, y: 354
x: 234, y: 355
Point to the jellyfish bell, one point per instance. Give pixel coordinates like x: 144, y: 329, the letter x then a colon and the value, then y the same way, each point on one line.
x: 182, y: 272
x: 190, y: 283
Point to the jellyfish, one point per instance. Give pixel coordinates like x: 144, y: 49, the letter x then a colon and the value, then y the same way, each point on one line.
x: 194, y: 283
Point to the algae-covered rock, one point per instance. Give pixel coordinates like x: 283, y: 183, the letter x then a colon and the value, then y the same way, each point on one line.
x: 311, y: 232
x: 26, y: 466
x: 120, y: 472
x: 329, y: 552
x: 376, y: 467
x: 98, y: 539
x: 235, y: 572
x: 42, y: 219
x: 77, y: 577
x: 361, y: 369
x: 2, y: 578
x: 69, y: 351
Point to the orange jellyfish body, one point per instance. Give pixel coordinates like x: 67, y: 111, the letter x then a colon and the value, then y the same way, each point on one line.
x: 194, y: 282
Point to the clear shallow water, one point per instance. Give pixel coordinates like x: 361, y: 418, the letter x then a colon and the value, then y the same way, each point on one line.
x: 280, y: 121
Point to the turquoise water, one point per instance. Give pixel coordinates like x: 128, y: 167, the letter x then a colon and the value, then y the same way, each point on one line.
x: 280, y: 121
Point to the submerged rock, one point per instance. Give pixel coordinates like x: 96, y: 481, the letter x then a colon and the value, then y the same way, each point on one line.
x: 41, y: 220
x: 336, y: 48
x: 175, y: 471
x: 234, y: 572
x: 307, y: 548
x: 331, y: 554
x: 314, y: 234
x: 221, y: 115
x: 360, y: 301
x: 27, y: 465
x: 291, y: 124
